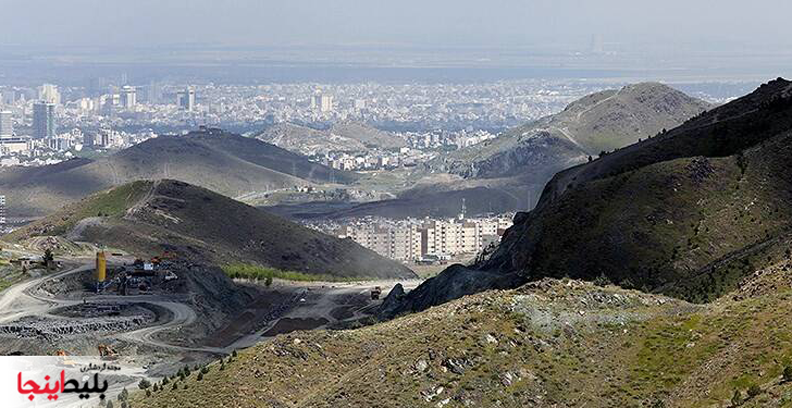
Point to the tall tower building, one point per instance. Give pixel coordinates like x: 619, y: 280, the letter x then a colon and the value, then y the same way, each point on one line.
x: 43, y: 120
x: 6, y: 124
x: 128, y: 97
x: 186, y: 99
x: 154, y: 94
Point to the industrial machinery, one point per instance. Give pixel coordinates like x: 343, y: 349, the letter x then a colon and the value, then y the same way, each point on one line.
x: 101, y: 272
x: 101, y: 267
x: 64, y: 360
x: 106, y: 351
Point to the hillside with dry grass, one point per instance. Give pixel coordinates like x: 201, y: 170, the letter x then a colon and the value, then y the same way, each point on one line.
x: 547, y: 344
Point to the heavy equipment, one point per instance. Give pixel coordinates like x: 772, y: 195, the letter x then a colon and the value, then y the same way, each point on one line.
x: 106, y: 351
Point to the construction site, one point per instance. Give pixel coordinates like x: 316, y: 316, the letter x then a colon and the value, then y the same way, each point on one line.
x: 155, y: 315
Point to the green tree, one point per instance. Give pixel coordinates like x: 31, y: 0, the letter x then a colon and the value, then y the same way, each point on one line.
x: 787, y: 373
x: 49, y: 259
x: 754, y: 390
x: 144, y: 384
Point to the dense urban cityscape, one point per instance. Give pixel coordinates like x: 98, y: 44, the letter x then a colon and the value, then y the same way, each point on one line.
x: 47, y: 124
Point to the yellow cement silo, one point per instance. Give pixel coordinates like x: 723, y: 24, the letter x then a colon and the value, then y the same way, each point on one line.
x: 101, y: 267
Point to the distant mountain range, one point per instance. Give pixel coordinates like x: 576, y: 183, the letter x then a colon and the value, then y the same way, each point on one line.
x: 347, y: 136
x: 149, y: 217
x: 222, y: 162
x: 688, y: 213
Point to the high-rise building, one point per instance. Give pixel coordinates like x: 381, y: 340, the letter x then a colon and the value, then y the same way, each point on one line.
x: 43, y: 120
x: 128, y: 97
x: 186, y: 99
x: 154, y: 93
x: 6, y: 124
x: 322, y: 103
x: 327, y: 103
x: 49, y: 93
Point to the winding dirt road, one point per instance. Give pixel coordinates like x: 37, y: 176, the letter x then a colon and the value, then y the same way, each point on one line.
x: 21, y: 300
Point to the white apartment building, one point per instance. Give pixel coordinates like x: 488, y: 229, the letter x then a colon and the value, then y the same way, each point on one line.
x: 402, y: 243
x: 440, y: 238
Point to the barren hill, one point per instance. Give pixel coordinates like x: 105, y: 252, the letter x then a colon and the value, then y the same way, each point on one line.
x: 222, y: 162
x: 149, y: 217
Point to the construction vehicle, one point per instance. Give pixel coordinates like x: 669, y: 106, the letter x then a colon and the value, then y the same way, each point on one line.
x: 64, y: 360
x: 376, y: 292
x: 107, y: 352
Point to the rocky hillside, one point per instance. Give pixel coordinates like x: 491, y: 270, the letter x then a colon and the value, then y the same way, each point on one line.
x: 149, y: 217
x: 546, y: 344
x: 600, y: 122
x: 347, y: 136
x: 222, y: 162
x: 688, y: 213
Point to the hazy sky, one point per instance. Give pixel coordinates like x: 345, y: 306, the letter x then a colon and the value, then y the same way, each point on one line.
x: 700, y: 24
